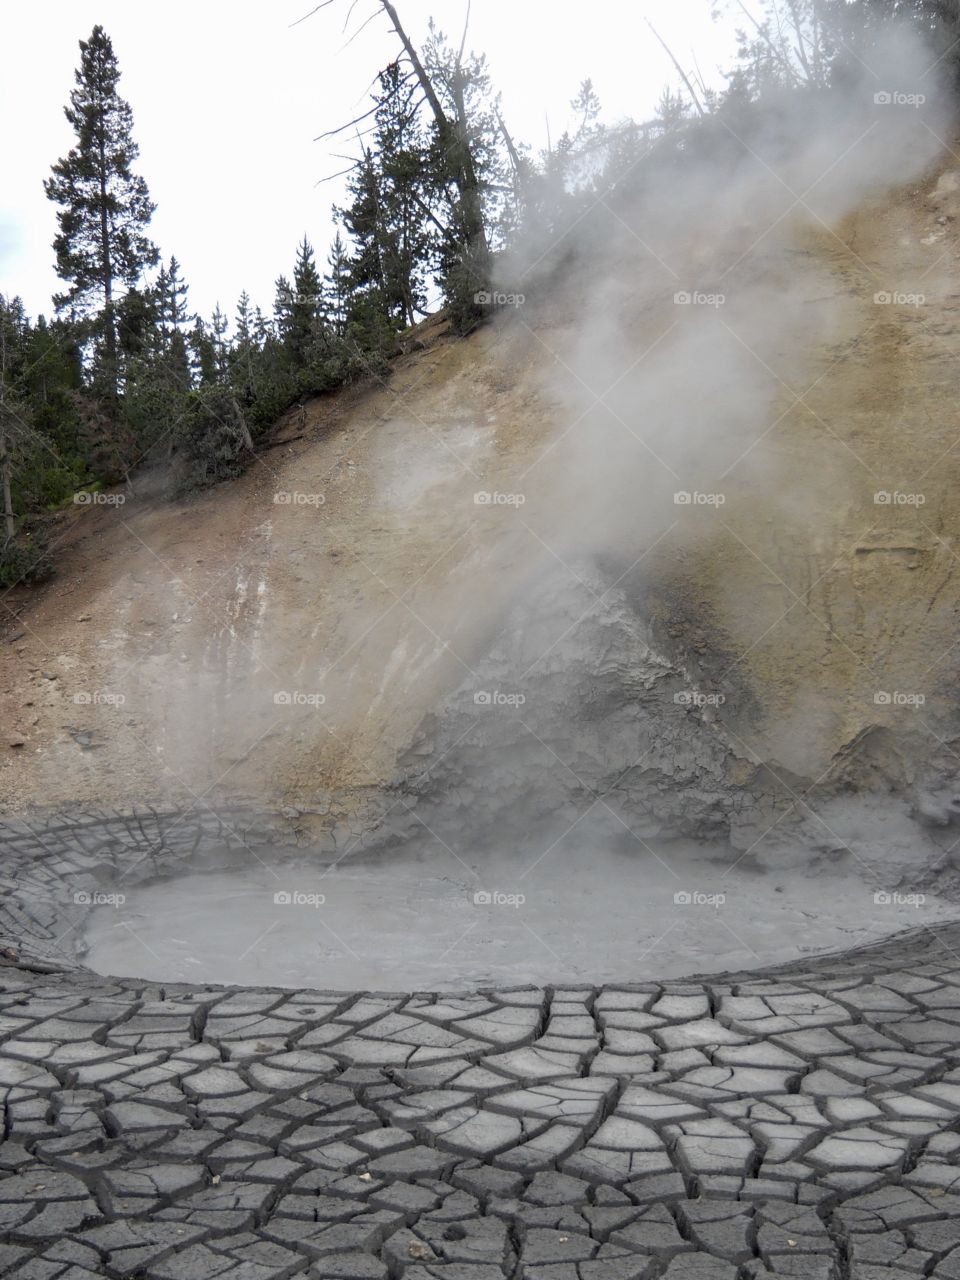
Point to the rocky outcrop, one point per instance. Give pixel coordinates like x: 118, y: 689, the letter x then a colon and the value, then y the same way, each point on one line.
x: 576, y: 709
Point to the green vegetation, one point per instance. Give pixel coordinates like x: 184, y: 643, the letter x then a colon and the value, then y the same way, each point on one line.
x: 126, y: 375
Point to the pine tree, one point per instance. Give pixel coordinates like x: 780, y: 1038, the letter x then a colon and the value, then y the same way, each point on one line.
x: 387, y: 221
x: 219, y: 324
x: 32, y: 474
x: 336, y: 292
x: 305, y: 309
x: 244, y: 321
x: 282, y: 307
x: 203, y: 352
x: 12, y: 327
x: 243, y: 361
x: 470, y: 179
x: 172, y: 292
x: 102, y: 243
x: 137, y: 317
x: 402, y: 162
x: 363, y: 222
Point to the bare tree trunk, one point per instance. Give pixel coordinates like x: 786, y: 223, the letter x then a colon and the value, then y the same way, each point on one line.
x: 680, y: 71
x: 5, y: 469
x: 105, y: 250
x: 418, y: 66
x: 5, y: 496
x: 512, y: 151
x: 464, y: 175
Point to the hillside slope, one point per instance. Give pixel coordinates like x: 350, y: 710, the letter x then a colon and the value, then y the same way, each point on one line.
x: 700, y: 666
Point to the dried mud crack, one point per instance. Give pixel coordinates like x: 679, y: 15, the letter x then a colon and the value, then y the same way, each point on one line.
x: 798, y: 1121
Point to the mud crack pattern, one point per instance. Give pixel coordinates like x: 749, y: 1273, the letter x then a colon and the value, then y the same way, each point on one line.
x: 799, y: 1123
x: 803, y: 1121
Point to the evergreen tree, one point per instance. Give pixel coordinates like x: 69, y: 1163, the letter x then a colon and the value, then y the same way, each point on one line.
x: 172, y: 292
x: 137, y: 316
x: 469, y: 174
x: 245, y: 321
x: 305, y: 310
x: 219, y: 324
x: 363, y: 222
x: 336, y: 292
x: 402, y: 164
x: 31, y: 472
x: 213, y: 439
x: 203, y: 353
x: 102, y: 244
x: 282, y: 307
x: 262, y: 328
x: 244, y: 357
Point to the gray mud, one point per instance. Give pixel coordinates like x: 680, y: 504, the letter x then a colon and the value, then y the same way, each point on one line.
x: 427, y: 920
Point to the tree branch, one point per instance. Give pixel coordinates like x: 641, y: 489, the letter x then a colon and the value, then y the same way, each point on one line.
x: 680, y: 71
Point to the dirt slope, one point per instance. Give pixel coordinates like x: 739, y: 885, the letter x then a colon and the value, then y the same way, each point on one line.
x: 180, y: 651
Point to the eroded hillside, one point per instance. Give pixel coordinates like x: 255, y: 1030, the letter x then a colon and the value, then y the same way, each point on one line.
x: 352, y: 629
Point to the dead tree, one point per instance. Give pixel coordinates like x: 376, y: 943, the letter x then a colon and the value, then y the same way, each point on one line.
x: 6, y: 463
x: 453, y: 136
x: 6, y: 469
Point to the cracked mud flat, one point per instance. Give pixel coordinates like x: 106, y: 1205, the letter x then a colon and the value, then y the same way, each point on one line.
x: 411, y: 920
x: 799, y: 1121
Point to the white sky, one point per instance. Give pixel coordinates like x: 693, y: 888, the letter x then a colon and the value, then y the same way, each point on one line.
x: 228, y: 98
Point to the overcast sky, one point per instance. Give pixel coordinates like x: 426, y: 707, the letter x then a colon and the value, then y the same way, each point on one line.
x: 228, y: 97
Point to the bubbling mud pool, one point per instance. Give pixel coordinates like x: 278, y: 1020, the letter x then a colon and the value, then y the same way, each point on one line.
x: 415, y: 920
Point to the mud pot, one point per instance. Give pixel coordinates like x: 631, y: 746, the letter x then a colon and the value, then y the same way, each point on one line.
x: 422, y: 918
